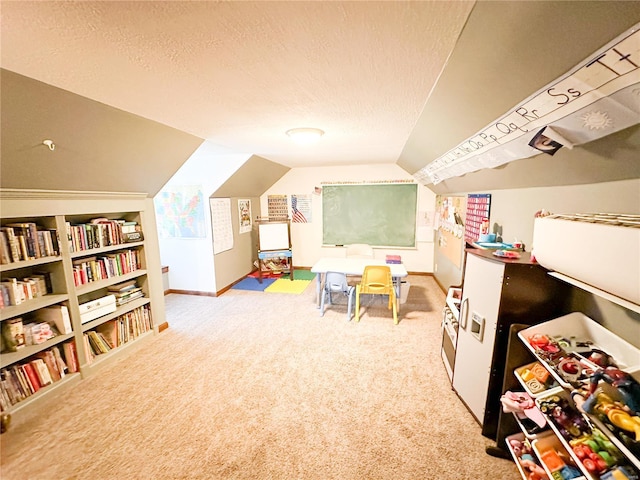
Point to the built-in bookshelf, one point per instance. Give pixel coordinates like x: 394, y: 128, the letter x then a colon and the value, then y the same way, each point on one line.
x: 78, y: 286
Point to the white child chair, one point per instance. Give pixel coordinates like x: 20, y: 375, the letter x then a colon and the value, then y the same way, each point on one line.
x: 335, y: 282
x: 359, y: 250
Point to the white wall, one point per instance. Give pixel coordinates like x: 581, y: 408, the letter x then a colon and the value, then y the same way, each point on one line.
x: 307, y: 238
x: 190, y: 260
x: 515, y: 209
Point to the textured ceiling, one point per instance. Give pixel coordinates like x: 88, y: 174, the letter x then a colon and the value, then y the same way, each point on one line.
x: 242, y: 73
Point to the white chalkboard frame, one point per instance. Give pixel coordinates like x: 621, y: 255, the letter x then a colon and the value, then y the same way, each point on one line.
x: 274, y: 236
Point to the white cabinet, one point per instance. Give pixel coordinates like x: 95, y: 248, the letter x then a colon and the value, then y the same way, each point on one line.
x: 477, y: 327
x: 496, y: 293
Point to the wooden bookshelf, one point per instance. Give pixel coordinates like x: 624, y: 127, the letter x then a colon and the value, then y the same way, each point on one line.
x: 126, y: 258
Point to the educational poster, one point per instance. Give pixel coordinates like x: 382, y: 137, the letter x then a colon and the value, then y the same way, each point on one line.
x: 585, y: 101
x: 277, y: 206
x: 425, y: 226
x: 180, y: 212
x: 221, y: 224
x: 477, y: 218
x: 301, y: 208
x: 450, y: 242
x: 244, y: 213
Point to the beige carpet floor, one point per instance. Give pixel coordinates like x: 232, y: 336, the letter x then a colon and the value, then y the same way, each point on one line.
x: 255, y: 385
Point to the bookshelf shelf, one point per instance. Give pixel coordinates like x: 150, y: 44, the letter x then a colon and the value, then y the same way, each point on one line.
x: 32, y: 305
x: 71, y: 222
x: 125, y: 349
x: 30, y: 350
x: 29, y: 263
x: 58, y: 387
x: 109, y: 249
x: 121, y: 310
x: 107, y: 282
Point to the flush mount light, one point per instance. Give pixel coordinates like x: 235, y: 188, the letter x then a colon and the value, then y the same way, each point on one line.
x: 305, y: 135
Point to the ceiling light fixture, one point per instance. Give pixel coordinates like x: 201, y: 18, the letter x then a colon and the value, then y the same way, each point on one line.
x: 305, y: 135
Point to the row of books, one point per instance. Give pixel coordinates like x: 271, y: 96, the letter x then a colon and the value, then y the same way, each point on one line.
x: 92, y: 269
x: 14, y: 291
x: 102, y: 232
x: 27, y: 241
x: 126, y: 292
x: 121, y: 330
x: 20, y: 381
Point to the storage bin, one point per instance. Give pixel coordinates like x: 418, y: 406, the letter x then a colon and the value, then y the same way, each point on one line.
x: 578, y: 326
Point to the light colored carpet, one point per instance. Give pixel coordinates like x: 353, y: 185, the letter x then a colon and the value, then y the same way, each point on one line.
x: 258, y: 386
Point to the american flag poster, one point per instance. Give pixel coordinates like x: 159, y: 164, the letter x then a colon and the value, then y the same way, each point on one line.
x: 301, y: 208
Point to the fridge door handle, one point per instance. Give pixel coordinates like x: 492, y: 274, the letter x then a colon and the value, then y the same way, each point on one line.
x: 463, y: 313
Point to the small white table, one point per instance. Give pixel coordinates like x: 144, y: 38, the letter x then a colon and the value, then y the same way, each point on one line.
x: 354, y: 266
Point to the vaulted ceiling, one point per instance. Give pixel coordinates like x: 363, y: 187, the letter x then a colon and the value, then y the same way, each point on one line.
x: 387, y: 81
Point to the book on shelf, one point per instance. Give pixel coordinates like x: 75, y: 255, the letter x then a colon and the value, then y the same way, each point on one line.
x: 28, y: 231
x: 50, y: 361
x: 123, y: 286
x: 40, y: 284
x: 14, y: 245
x: 46, y: 277
x: 97, y: 343
x: 16, y: 386
x: 14, y: 292
x: 44, y: 375
x: 5, y: 248
x: 20, y: 381
x: 87, y: 348
x: 70, y: 356
x: 62, y: 365
x: 57, y: 315
x: 109, y: 333
x: 32, y: 376
x: 127, y: 297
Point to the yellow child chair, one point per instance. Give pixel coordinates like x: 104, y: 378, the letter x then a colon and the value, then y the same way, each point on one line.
x: 377, y: 280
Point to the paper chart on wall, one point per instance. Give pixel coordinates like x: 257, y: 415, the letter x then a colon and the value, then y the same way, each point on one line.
x: 244, y: 215
x: 277, y: 206
x: 221, y: 224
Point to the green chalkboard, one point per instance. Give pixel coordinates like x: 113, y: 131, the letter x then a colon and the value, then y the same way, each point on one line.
x: 382, y: 215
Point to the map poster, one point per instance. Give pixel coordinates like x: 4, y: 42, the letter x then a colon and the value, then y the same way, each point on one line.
x: 180, y: 212
x: 244, y: 213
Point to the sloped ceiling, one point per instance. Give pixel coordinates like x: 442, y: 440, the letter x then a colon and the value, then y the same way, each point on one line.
x: 138, y: 85
x: 242, y: 73
x: 98, y: 147
x: 508, y: 51
x: 252, y: 179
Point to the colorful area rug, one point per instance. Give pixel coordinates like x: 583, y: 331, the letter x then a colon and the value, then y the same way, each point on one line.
x: 301, y: 275
x: 253, y: 284
x: 284, y: 285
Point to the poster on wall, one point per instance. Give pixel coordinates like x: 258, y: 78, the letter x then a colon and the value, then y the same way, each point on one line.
x: 244, y: 213
x: 277, y: 207
x: 221, y: 224
x: 450, y: 242
x: 425, y: 225
x: 301, y: 208
x: 477, y: 218
x: 180, y: 212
